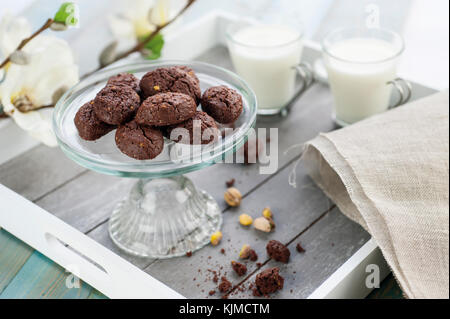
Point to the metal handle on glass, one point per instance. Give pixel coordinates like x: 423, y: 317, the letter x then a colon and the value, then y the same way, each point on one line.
x: 307, y: 79
x: 404, y: 90
x: 307, y: 75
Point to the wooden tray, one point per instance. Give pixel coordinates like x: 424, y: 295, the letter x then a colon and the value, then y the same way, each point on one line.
x: 337, y: 250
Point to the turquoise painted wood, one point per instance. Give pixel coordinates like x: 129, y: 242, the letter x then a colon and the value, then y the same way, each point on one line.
x: 39, y: 277
x: 13, y: 255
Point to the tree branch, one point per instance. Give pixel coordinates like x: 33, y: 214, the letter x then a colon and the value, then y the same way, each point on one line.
x: 137, y: 48
x: 46, y: 25
x: 141, y: 44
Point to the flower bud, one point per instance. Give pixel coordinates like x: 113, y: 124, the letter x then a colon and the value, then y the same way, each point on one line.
x: 58, y: 26
x: 20, y: 58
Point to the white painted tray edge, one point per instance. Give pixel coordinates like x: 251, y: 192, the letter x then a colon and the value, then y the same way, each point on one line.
x: 65, y: 245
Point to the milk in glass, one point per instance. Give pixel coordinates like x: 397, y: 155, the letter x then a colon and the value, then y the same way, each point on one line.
x: 358, y: 72
x: 265, y: 56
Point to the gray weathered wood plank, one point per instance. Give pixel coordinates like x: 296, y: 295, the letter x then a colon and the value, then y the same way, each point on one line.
x: 294, y: 209
x: 86, y: 201
x: 328, y: 244
x: 38, y: 171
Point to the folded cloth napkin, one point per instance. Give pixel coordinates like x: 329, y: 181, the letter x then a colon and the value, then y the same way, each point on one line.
x: 390, y: 173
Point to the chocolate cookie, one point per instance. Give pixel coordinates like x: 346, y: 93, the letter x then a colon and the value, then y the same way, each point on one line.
x: 126, y: 79
x: 278, y: 251
x: 88, y: 124
x: 205, y: 127
x: 116, y: 104
x: 268, y: 281
x: 171, y: 79
x: 139, y: 141
x: 166, y: 109
x: 189, y: 71
x: 222, y: 103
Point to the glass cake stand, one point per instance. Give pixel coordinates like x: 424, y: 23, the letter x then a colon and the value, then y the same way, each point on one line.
x: 164, y: 215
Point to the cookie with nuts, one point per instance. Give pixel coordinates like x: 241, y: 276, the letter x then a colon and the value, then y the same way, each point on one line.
x: 125, y: 79
x: 222, y: 103
x: 171, y: 79
x: 116, y: 104
x: 166, y: 109
x: 139, y: 141
x: 199, y: 129
x: 89, y: 125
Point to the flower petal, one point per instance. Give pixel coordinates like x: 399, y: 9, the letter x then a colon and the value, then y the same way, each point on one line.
x: 132, y: 20
x: 38, y: 124
x: 51, y: 67
x: 12, y: 31
x: 121, y: 27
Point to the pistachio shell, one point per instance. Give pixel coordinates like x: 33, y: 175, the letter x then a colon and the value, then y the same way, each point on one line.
x: 233, y: 197
x: 262, y: 224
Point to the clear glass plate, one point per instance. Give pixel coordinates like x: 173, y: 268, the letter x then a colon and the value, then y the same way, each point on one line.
x: 103, y: 155
x: 164, y: 215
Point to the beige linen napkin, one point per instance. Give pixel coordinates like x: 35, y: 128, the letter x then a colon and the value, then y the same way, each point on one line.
x: 390, y: 173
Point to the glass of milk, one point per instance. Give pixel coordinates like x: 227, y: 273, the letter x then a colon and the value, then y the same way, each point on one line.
x: 267, y: 57
x: 361, y: 66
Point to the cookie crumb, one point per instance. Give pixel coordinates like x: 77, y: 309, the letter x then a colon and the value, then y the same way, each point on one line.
x: 215, y: 278
x: 252, y: 255
x: 267, y: 282
x: 277, y: 251
x: 211, y: 292
x: 239, y: 268
x: 224, y: 285
x: 299, y: 248
x: 230, y: 183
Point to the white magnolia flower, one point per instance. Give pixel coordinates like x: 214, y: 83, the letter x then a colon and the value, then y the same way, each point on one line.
x: 139, y: 17
x: 12, y: 31
x: 51, y: 68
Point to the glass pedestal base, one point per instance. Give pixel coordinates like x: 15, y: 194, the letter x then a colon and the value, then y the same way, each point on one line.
x: 163, y: 218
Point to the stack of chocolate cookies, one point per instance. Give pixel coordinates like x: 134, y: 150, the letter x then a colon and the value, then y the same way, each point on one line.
x: 164, y: 103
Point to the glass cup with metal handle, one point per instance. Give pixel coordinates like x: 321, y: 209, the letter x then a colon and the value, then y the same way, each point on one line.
x: 361, y: 65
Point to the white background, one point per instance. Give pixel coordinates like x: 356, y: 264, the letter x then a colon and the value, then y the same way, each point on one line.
x: 423, y: 24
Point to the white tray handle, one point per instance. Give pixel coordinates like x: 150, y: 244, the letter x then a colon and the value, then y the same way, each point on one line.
x: 101, y: 268
x: 349, y: 280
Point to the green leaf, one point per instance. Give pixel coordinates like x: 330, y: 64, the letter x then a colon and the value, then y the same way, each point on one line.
x: 67, y: 14
x: 155, y: 46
